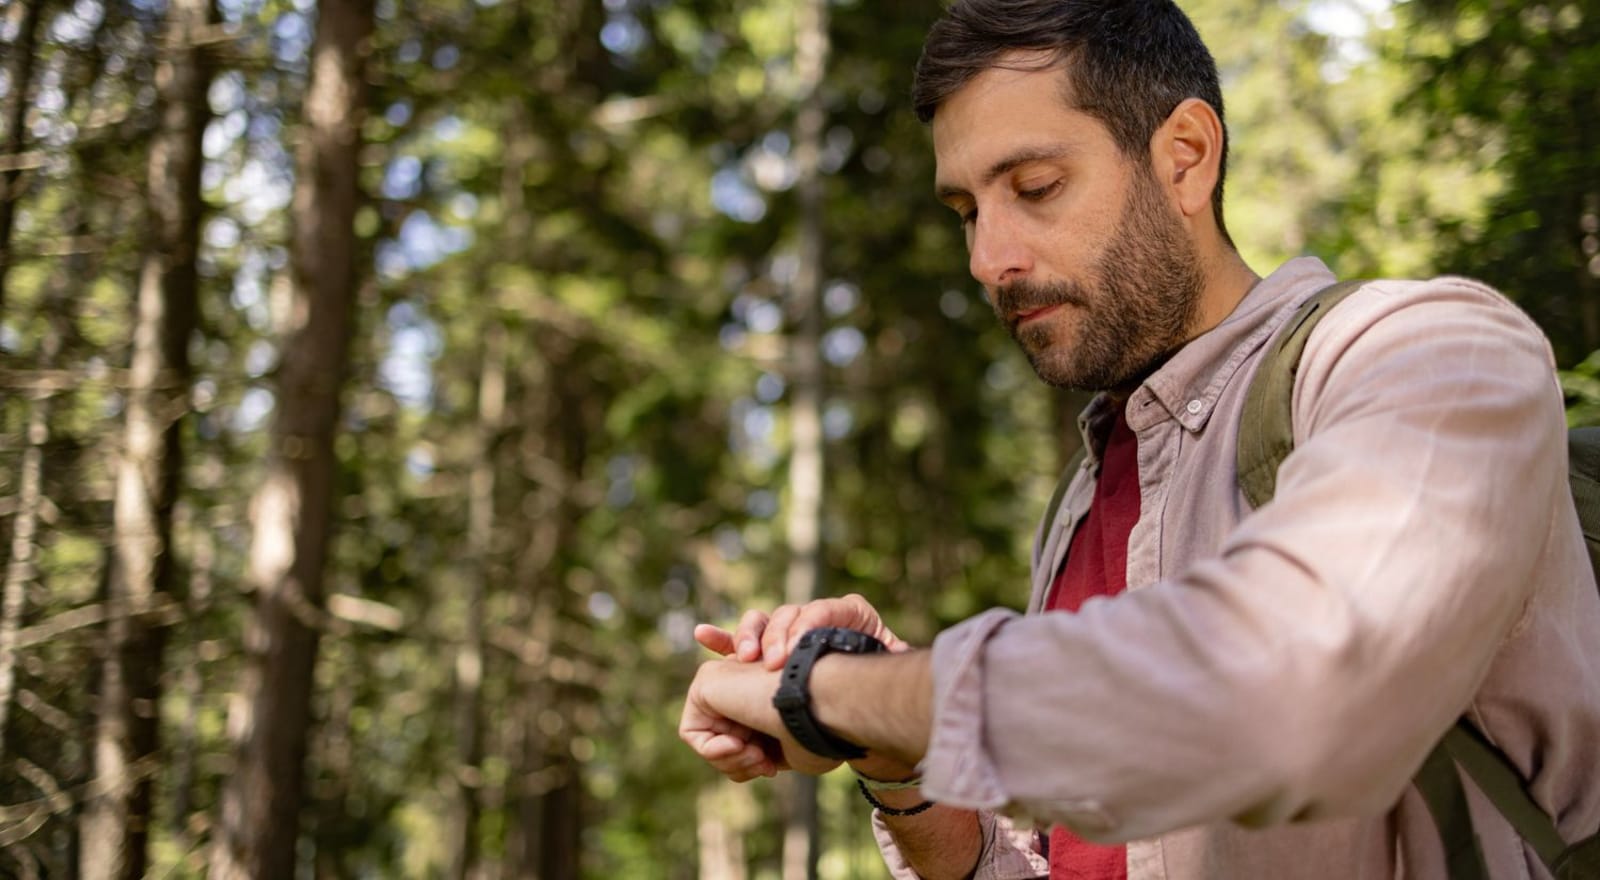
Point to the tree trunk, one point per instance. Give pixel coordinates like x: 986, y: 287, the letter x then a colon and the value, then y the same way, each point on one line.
x: 117, y: 818
x: 292, y: 510
x: 470, y: 655
x: 19, y: 76
x: 23, y: 564
x: 721, y: 812
x: 545, y: 816
x: 191, y: 684
x: 803, y: 579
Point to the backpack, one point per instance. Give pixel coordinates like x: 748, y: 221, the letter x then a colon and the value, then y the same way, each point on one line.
x: 1263, y: 446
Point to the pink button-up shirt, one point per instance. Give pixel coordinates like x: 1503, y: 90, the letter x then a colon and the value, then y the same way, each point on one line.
x: 1256, y: 704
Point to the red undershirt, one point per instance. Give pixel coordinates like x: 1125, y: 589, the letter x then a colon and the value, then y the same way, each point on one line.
x: 1097, y: 565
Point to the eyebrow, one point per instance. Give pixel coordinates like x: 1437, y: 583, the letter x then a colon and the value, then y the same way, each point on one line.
x: 1023, y: 156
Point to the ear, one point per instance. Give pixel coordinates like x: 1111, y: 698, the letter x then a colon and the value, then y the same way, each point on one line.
x: 1186, y: 153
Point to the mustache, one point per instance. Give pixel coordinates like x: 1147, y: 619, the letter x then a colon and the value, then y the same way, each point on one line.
x: 1027, y: 296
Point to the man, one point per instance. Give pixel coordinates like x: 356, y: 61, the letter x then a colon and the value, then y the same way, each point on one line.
x: 1202, y: 690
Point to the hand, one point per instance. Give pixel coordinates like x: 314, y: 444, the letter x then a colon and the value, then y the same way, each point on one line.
x: 770, y: 639
x: 728, y: 719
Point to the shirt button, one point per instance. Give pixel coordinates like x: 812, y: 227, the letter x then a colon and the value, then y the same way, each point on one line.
x: 1194, y: 407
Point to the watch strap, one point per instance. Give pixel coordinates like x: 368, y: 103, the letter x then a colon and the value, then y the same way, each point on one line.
x: 793, y: 698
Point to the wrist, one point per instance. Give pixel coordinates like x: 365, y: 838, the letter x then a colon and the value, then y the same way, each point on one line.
x: 894, y: 723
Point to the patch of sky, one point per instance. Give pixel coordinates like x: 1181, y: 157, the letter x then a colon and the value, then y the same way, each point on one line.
x: 731, y: 337
x: 761, y: 504
x: 1346, y: 24
x: 398, y: 113
x: 406, y: 369
x: 729, y: 542
x: 448, y: 128
x: 677, y: 627
x: 446, y: 57
x: 1001, y: 376
x: 837, y: 420
x: 255, y: 405
x: 759, y: 423
x: 842, y: 345
x: 76, y: 27
x: 836, y: 147
x: 49, y: 98
x: 770, y: 165
x: 409, y: 51
x: 419, y: 462
x: 620, y: 469
x: 769, y: 388
x: 764, y: 317
x: 257, y: 190
x: 260, y: 359
x: 249, y: 294
x: 402, y: 179
x: 222, y: 232
x: 291, y: 39
x: 623, y: 35
x: 223, y: 132
x: 226, y: 93
x: 10, y: 339
x: 112, y: 407
x: 735, y: 198
x: 424, y: 242
x: 463, y: 206
x: 265, y: 126
x: 601, y: 606
x: 840, y: 298
x: 675, y: 591
x: 953, y: 303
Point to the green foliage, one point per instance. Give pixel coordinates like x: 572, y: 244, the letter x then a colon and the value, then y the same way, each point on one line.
x: 611, y: 186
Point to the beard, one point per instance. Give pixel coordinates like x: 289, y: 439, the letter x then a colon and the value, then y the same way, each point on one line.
x: 1140, y: 309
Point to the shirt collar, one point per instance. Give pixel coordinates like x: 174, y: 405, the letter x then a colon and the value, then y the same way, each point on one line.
x: 1187, y: 386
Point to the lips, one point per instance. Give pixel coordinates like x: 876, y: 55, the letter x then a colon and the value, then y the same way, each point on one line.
x: 1025, y: 315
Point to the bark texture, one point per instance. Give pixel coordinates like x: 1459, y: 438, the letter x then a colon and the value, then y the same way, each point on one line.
x: 292, y: 511
x: 117, y: 817
x: 803, y: 580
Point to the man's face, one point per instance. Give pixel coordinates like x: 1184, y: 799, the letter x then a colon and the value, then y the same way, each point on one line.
x: 1084, y: 259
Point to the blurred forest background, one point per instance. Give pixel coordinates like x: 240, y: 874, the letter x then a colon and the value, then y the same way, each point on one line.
x: 388, y: 386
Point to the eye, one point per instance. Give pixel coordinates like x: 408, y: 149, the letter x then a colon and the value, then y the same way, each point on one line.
x: 1034, y: 195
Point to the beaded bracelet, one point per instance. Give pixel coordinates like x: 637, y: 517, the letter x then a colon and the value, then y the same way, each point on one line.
x: 881, y: 785
x: 887, y: 810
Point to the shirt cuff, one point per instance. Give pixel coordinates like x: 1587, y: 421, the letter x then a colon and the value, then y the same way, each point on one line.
x: 1009, y: 853
x: 956, y: 769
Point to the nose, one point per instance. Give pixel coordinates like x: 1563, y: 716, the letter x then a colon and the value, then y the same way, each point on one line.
x: 995, y: 254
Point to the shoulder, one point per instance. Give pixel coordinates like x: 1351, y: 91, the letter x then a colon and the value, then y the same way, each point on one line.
x: 1448, y: 316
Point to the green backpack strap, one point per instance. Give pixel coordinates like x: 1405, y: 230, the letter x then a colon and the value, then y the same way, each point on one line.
x: 1266, y: 437
x: 1583, y: 474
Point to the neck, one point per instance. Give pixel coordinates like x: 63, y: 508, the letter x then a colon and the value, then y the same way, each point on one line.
x: 1228, y: 280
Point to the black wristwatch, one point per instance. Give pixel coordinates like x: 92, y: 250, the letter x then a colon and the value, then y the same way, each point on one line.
x: 793, y: 699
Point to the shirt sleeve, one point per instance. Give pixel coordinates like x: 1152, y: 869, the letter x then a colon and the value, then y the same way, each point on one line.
x: 1307, y: 668
x: 1009, y: 852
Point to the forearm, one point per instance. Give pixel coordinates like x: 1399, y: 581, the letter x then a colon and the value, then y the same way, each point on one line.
x: 943, y: 843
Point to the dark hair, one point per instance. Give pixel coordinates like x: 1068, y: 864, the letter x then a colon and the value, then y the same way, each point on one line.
x: 1129, y: 63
